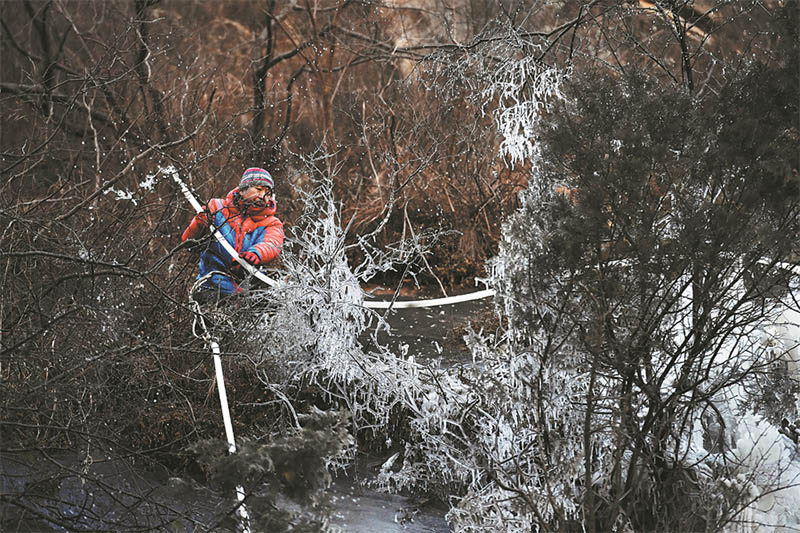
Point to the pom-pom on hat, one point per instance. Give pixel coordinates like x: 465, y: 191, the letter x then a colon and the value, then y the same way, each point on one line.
x: 253, y: 177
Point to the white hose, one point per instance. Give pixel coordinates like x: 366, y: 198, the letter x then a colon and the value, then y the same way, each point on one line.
x: 432, y: 302
x: 226, y: 419
x: 205, y: 334
x: 369, y: 304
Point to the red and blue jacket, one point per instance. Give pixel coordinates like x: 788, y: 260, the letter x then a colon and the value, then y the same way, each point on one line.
x: 259, y: 231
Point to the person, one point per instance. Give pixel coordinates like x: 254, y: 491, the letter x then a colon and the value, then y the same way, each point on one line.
x: 246, y: 219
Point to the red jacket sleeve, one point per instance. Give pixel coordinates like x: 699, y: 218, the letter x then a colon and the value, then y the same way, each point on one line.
x: 197, y: 227
x: 270, y: 247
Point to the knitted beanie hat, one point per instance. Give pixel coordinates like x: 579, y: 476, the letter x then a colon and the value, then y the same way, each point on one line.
x: 253, y: 177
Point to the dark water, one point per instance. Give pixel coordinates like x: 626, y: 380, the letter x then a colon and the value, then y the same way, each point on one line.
x: 435, y: 333
x: 65, y: 491
x: 59, y: 491
x: 362, y: 510
x: 48, y: 490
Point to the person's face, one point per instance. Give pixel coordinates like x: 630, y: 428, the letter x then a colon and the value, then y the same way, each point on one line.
x: 257, y: 193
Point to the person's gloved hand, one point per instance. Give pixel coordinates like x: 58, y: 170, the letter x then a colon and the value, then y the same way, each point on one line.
x: 251, y: 257
x: 205, y: 216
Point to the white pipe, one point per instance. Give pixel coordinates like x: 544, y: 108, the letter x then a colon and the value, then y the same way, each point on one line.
x: 223, y: 398
x: 373, y: 305
x: 432, y: 302
x: 226, y: 419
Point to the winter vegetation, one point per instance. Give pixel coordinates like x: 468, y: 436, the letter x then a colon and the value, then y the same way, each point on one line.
x: 624, y: 174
